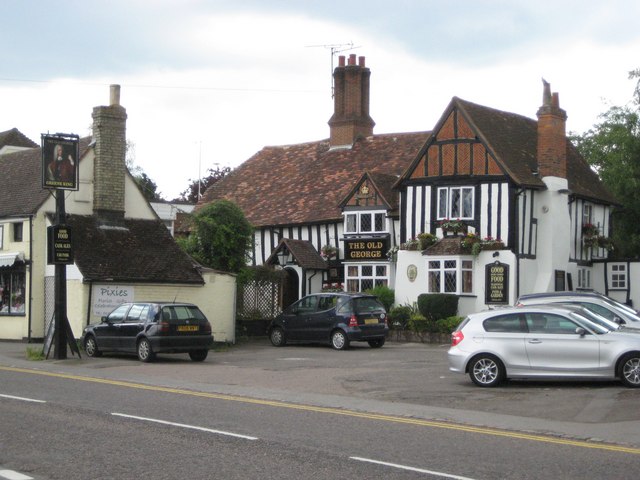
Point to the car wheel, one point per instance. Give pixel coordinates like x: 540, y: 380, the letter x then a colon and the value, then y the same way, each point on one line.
x: 339, y: 340
x: 377, y: 343
x: 145, y: 353
x: 277, y: 337
x: 629, y: 370
x: 199, y: 355
x: 91, y: 347
x: 486, y: 370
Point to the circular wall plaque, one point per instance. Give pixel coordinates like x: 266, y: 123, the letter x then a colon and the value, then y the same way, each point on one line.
x: 412, y: 272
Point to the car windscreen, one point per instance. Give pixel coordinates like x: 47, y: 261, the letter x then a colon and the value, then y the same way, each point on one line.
x: 180, y: 313
x: 590, y: 321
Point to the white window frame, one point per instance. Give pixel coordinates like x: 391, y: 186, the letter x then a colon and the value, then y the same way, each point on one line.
x: 462, y: 268
x: 618, y: 276
x: 1, y: 235
x: 376, y: 277
x: 445, y: 194
x: 584, y: 278
x: 358, y: 221
x: 587, y: 213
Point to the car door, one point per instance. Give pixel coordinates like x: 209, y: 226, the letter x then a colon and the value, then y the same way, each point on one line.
x: 109, y: 330
x: 320, y: 323
x: 297, y: 318
x: 554, y: 347
x: 133, y: 324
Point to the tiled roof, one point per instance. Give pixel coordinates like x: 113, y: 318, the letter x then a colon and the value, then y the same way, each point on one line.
x: 514, y: 139
x: 139, y: 251
x: 305, y: 183
x: 303, y: 252
x: 15, y: 138
x: 21, y: 191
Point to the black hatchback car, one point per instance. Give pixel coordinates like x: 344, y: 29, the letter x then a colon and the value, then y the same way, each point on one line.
x: 335, y: 318
x: 148, y: 328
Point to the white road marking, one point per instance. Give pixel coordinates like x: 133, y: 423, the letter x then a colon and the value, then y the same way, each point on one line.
x: 411, y: 469
x: 192, y: 427
x: 23, y: 399
x: 11, y: 475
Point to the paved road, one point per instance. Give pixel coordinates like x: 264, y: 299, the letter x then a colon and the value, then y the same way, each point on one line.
x: 399, y: 379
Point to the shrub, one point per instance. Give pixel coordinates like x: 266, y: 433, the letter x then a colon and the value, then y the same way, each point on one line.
x: 385, y: 294
x: 448, y: 325
x: 399, y: 316
x: 419, y: 324
x: 436, y: 306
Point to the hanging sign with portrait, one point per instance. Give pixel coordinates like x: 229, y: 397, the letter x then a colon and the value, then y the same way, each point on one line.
x: 60, y: 156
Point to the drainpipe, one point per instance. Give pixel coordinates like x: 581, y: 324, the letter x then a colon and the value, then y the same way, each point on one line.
x: 309, y: 281
x: 30, y: 264
x: 89, y: 302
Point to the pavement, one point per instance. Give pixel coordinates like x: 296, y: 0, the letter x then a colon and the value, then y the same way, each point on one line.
x: 403, y: 379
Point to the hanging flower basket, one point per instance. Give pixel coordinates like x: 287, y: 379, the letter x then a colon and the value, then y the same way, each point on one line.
x: 328, y: 252
x: 590, y: 230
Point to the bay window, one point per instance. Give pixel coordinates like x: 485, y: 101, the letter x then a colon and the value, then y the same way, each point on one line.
x: 451, y: 275
x: 365, y: 222
x: 361, y: 277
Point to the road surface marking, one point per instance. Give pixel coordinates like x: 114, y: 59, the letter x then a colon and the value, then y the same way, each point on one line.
x: 182, y: 425
x: 22, y: 398
x: 411, y: 469
x: 337, y: 411
x: 11, y: 475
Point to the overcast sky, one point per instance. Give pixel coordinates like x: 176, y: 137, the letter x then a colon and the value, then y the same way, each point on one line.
x: 211, y: 82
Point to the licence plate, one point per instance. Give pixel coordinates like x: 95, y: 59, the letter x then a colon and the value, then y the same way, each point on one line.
x: 188, y: 328
x: 369, y: 321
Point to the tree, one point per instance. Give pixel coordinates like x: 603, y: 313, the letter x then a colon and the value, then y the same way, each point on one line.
x: 199, y: 187
x: 612, y: 147
x: 221, y: 237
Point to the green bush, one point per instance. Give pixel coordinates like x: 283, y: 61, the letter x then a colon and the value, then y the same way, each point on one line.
x: 419, y: 324
x: 385, y: 294
x: 399, y: 316
x: 448, y: 325
x: 436, y: 306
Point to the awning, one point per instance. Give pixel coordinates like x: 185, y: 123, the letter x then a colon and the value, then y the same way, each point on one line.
x: 8, y: 259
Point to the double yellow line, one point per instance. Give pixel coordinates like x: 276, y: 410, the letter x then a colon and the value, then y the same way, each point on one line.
x: 338, y: 411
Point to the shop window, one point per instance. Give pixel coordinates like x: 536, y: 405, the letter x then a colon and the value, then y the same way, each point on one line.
x: 450, y: 276
x: 618, y: 275
x: 455, y: 202
x: 365, y: 222
x: 12, y: 291
x: 363, y: 277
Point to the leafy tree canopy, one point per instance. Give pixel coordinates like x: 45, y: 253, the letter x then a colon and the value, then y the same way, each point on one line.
x: 221, y: 237
x: 197, y: 188
x: 612, y: 147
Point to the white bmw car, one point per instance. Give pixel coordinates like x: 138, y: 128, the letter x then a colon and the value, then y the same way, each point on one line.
x: 544, y: 341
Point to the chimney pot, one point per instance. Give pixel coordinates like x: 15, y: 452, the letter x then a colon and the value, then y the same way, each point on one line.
x: 341, y: 61
x: 555, y: 100
x: 352, y: 59
x: 114, y: 95
x: 361, y: 61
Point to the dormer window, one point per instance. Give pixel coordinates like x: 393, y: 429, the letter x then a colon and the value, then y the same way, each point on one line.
x: 455, y: 202
x: 365, y: 222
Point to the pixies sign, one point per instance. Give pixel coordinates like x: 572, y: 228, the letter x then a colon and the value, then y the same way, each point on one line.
x: 366, y: 249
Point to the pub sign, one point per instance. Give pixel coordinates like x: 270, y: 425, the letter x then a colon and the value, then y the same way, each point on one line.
x: 496, y: 284
x: 60, y: 250
x: 366, y: 249
x: 60, y: 155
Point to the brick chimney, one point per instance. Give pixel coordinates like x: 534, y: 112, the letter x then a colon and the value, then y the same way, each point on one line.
x: 350, y: 118
x: 552, y: 139
x: 109, y: 168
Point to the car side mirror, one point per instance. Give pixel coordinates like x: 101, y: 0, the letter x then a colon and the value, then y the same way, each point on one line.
x: 619, y: 321
x: 104, y: 320
x: 581, y: 331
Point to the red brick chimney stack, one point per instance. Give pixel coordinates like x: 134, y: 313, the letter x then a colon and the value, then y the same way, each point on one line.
x: 350, y: 118
x: 552, y: 139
